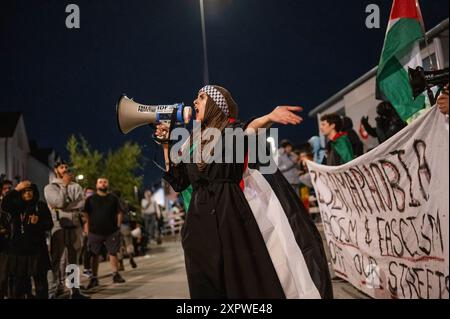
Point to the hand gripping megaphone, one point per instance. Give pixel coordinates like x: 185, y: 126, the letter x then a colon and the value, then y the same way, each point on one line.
x: 131, y: 114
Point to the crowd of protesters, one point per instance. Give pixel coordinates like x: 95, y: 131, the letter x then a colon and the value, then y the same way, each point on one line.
x: 74, y: 226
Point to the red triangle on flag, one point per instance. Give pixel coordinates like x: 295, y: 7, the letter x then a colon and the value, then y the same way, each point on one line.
x: 406, y: 9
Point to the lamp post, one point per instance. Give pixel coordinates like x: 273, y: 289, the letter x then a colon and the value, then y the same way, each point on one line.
x: 205, y: 53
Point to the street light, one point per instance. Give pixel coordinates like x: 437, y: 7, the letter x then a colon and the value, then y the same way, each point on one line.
x: 205, y: 53
x: 79, y: 177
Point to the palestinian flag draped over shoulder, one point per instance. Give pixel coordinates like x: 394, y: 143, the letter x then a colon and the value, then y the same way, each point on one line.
x: 401, y: 50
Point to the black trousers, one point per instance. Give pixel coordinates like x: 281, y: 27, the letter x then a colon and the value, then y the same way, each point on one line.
x: 21, y: 286
x: 70, y: 239
x: 85, y: 254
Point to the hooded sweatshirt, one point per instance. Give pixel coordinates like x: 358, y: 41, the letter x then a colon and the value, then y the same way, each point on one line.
x: 27, y: 238
x: 65, y: 202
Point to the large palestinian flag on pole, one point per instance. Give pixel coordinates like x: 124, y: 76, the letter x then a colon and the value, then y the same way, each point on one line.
x: 401, y: 50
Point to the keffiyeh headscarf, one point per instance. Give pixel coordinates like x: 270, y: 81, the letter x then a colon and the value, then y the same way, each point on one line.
x: 217, y: 97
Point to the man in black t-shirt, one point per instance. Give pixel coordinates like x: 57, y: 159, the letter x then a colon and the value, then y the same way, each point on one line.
x: 103, y: 216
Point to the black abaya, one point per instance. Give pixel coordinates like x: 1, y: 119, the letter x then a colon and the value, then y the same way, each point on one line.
x: 225, y: 253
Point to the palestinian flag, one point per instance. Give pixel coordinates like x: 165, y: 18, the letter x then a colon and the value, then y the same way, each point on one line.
x: 342, y: 145
x: 293, y: 242
x: 401, y: 50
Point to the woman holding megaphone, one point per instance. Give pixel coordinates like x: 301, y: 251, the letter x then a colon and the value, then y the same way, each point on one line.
x: 228, y: 253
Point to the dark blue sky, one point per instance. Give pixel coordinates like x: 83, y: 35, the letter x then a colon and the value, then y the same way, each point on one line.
x: 266, y: 52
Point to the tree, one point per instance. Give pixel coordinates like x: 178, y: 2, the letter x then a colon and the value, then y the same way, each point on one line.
x: 120, y: 167
x: 84, y: 161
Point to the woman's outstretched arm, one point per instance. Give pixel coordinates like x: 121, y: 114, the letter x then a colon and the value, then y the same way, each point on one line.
x: 281, y: 114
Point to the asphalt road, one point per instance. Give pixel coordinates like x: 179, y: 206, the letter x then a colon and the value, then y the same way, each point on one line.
x: 162, y: 275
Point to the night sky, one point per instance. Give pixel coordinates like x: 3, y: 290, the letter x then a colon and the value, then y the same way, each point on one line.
x: 266, y: 52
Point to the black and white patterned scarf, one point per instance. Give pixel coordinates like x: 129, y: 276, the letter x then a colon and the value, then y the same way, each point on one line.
x: 217, y: 97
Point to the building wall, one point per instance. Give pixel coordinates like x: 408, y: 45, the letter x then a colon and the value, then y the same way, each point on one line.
x: 361, y: 102
x: 7, y: 160
x: 443, y: 50
x: 38, y: 174
x: 17, y: 149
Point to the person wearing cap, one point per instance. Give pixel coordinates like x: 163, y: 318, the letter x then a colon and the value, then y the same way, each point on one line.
x: 27, y: 253
x: 65, y: 199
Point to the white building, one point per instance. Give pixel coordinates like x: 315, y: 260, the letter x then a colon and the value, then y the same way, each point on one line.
x: 40, y: 163
x: 358, y: 98
x: 20, y: 159
x: 14, y: 147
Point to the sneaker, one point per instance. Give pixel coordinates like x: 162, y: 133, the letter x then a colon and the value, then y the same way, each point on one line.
x: 117, y: 278
x: 93, y: 283
x: 133, y: 263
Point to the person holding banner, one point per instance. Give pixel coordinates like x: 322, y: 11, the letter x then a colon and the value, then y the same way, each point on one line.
x: 442, y: 101
x: 388, y: 122
x: 232, y: 247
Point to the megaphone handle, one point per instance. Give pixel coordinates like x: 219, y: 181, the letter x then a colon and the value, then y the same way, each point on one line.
x: 159, y: 140
x: 156, y: 138
x: 173, y: 119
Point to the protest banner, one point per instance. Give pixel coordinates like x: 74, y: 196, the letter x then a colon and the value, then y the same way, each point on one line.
x: 385, y: 214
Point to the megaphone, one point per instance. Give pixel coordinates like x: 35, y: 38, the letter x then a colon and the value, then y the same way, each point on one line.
x: 421, y: 80
x: 131, y: 114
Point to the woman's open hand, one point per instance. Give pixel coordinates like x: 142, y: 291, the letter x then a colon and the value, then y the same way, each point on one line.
x: 442, y: 101
x: 286, y: 115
